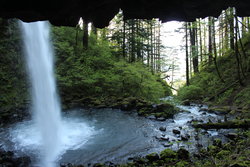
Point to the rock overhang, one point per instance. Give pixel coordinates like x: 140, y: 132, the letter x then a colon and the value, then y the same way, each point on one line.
x: 100, y: 12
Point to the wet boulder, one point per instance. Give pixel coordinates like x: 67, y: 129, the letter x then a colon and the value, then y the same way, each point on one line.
x: 163, y: 138
x: 167, y: 144
x: 168, y: 153
x: 217, y: 142
x: 186, y: 103
x: 176, y: 131
x: 7, y: 159
x: 162, y: 128
x: 151, y: 117
x: 183, y: 154
x: 231, y: 136
x: 152, y: 157
x: 161, y: 119
x: 185, y: 137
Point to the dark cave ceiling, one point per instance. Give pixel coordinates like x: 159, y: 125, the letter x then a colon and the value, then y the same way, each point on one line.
x: 100, y: 12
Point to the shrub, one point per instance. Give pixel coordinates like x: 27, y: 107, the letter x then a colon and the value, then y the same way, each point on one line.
x: 243, y: 97
x: 191, y: 92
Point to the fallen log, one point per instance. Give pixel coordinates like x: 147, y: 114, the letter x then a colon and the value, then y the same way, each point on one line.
x: 245, y: 124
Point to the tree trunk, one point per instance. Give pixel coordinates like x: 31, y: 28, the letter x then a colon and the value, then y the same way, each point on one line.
x: 85, y: 38
x: 192, y: 30
x: 200, y: 34
x: 133, y: 40
x: 237, y: 57
x: 215, y: 51
x: 231, y: 24
x: 187, y: 63
x: 210, y: 45
x: 124, y: 40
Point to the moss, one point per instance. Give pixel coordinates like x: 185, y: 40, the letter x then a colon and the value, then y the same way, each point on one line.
x: 217, y: 142
x: 152, y: 157
x: 168, y: 153
x: 221, y: 109
x: 222, y: 154
x: 243, y: 97
x: 213, y: 149
x: 182, y: 164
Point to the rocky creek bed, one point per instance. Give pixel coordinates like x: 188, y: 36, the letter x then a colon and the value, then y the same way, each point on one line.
x: 115, y: 136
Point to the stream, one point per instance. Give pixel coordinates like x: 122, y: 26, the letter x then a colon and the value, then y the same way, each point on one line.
x: 110, y: 135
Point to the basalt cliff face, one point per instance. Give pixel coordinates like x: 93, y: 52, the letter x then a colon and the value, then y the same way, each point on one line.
x: 100, y: 12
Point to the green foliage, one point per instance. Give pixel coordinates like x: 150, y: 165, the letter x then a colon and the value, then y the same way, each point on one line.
x: 191, y: 92
x: 13, y: 87
x: 225, y: 96
x: 97, y: 72
x: 222, y: 154
x: 243, y: 97
x: 209, y: 83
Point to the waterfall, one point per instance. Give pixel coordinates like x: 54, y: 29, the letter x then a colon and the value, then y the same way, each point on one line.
x: 45, y: 103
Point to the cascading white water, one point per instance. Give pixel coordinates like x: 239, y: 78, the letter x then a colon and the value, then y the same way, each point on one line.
x: 46, y: 106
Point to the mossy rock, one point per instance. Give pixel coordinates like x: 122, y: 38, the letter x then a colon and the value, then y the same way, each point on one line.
x: 182, y: 164
x: 217, y: 142
x: 153, y: 157
x: 143, y: 112
x: 183, y: 154
x: 213, y: 149
x: 168, y: 153
x: 186, y: 102
x: 223, y: 154
x: 96, y: 102
x: 98, y: 165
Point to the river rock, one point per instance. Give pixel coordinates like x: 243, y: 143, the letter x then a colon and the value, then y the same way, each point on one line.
x: 186, y: 103
x: 161, y: 119
x: 199, y: 145
x: 151, y: 117
x: 176, y: 131
x: 164, y: 138
x: 167, y: 144
x: 185, y: 137
x: 158, y: 137
x: 109, y: 164
x: 203, y: 110
x: 162, y: 128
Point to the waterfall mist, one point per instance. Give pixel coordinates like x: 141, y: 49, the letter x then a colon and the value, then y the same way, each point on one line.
x: 45, y: 103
